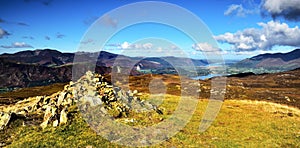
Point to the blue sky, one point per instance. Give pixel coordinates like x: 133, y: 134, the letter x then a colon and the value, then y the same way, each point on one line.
x: 242, y: 28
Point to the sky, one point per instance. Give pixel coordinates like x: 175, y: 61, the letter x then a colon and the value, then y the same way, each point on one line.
x: 241, y: 28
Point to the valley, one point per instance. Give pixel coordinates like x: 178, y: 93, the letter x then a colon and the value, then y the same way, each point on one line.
x: 260, y: 104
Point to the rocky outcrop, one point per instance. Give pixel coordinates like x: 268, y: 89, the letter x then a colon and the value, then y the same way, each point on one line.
x: 89, y: 90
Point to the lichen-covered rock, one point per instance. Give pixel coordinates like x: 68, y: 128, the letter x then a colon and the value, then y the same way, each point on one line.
x: 89, y: 90
x: 55, y: 123
x: 4, y: 119
x: 63, y: 117
x: 47, y: 117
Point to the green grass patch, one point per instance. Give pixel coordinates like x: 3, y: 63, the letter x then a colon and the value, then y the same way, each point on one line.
x: 239, y: 124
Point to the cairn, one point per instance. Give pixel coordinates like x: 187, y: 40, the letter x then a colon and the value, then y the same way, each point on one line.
x: 90, y: 90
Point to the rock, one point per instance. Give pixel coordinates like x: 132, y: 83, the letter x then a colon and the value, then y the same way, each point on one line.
x: 61, y: 98
x: 47, y: 116
x: 4, y: 119
x: 89, y: 91
x: 287, y: 98
x: 63, y: 117
x: 2, y: 144
x: 103, y: 110
x: 96, y: 79
x: 93, y: 100
x: 55, y: 123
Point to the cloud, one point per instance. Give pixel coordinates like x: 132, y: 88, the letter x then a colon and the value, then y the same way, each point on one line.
x: 17, y: 45
x: 147, y: 45
x: 239, y: 11
x: 3, y: 33
x: 141, y: 46
x: 113, y: 45
x: 22, y: 24
x: 87, y: 41
x: 159, y: 49
x: 288, y: 9
x: 59, y: 35
x: 264, y: 38
x: 108, y: 21
x: 173, y: 47
x: 44, y: 2
x: 12, y: 22
x: 47, y: 38
x: 205, y: 47
x: 127, y: 45
x: 28, y: 37
x: 88, y: 21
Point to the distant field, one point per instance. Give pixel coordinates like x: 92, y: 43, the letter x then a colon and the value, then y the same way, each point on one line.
x: 19, y: 94
x: 240, y: 123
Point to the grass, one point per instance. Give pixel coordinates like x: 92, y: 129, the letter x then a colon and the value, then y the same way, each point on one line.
x: 240, y: 123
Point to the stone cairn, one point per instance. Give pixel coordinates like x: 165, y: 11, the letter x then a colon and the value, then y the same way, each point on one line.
x: 90, y: 90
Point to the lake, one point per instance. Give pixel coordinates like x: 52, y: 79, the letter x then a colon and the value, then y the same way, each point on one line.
x: 206, y: 76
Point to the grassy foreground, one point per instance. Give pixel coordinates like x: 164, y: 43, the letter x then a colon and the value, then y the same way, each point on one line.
x: 240, y: 123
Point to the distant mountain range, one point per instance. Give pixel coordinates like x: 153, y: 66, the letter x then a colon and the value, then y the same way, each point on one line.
x: 276, y: 61
x: 43, y: 67
x: 52, y: 58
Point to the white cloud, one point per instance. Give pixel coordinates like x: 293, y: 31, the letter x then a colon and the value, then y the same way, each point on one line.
x: 173, y: 47
x: 125, y: 45
x: 265, y: 38
x: 205, y: 47
x: 239, y: 10
x: 159, y: 49
x: 147, y: 46
x: 289, y: 9
x: 17, y: 45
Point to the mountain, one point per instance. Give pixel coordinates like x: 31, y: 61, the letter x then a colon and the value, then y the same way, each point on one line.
x: 46, y: 57
x: 51, y: 58
x: 276, y: 61
x: 26, y: 75
x: 43, y: 67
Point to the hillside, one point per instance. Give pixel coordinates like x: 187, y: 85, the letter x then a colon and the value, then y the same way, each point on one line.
x: 20, y: 75
x: 238, y: 124
x: 276, y: 61
x: 26, y: 75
